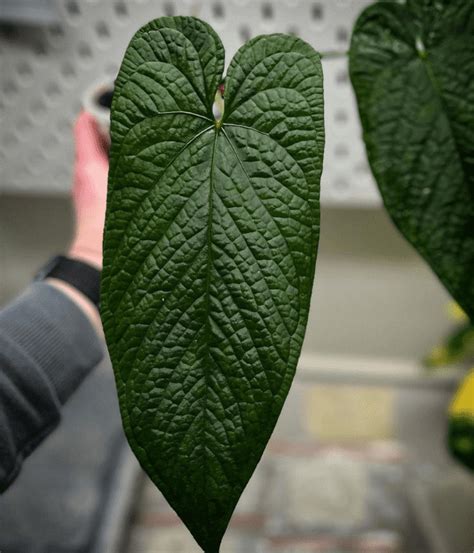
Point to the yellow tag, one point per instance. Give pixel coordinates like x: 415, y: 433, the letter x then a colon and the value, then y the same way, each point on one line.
x: 463, y: 401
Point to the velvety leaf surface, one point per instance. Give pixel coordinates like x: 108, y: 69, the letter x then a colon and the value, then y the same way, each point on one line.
x: 412, y: 67
x: 209, y: 254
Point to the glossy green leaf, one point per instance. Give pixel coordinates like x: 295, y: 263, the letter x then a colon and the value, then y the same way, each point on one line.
x: 209, y: 254
x: 412, y: 67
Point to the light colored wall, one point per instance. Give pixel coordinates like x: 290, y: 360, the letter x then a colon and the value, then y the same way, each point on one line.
x: 372, y: 294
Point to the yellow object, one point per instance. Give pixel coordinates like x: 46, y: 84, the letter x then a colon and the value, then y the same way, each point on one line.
x: 456, y: 313
x: 463, y: 401
x: 460, y: 438
x: 349, y: 413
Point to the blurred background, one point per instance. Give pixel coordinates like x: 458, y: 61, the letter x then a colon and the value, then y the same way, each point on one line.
x: 358, y: 461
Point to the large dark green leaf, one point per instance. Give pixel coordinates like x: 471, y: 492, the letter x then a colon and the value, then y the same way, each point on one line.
x: 209, y: 253
x: 412, y: 67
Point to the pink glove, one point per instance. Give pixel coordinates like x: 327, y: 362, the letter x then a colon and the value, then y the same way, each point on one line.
x: 89, y: 191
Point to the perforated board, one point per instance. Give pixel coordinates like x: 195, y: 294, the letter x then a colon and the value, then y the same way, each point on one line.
x: 46, y: 69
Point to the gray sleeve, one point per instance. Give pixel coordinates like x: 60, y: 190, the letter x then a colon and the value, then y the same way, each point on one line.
x: 47, y: 347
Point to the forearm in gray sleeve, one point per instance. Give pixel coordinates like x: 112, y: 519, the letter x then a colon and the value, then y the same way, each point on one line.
x: 47, y: 347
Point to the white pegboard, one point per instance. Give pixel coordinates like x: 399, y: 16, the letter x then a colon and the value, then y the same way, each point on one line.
x: 45, y: 69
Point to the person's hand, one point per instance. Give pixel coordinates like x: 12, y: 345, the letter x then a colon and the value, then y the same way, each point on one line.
x: 89, y: 194
x: 89, y: 191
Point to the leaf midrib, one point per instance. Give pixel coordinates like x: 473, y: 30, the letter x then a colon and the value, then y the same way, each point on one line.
x: 207, y: 299
x: 209, y: 270
x: 428, y: 66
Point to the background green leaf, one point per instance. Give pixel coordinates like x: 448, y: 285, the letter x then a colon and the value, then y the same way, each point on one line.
x: 209, y: 253
x: 412, y: 68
